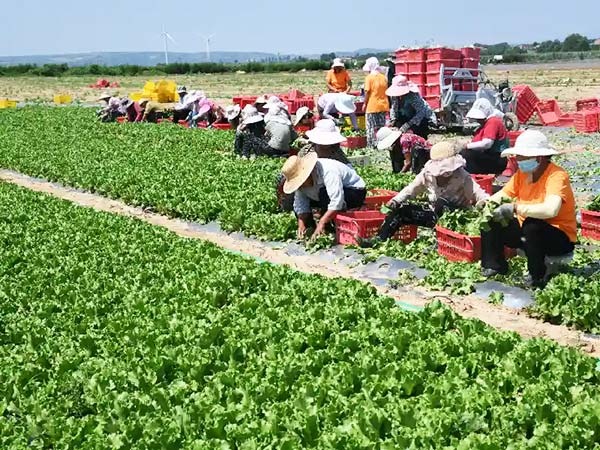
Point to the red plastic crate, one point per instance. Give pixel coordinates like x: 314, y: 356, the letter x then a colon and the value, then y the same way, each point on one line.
x: 433, y: 90
x: 400, y: 68
x: 469, y: 86
x: 221, y: 126
x: 458, y: 247
x: 434, y: 102
x: 590, y: 224
x: 526, y: 102
x: 378, y: 198
x: 471, y: 52
x: 513, y: 135
x: 435, y: 65
x: 121, y: 119
x: 484, y: 181
x: 586, y: 121
x: 184, y: 123
x: 355, y: 142
x: 587, y: 104
x: 247, y: 100
x: 402, y: 54
x: 443, y: 53
x: 415, y: 67
x: 366, y: 224
x: 548, y: 111
x: 470, y: 63
x: 417, y: 78
x: 301, y: 128
x: 295, y: 105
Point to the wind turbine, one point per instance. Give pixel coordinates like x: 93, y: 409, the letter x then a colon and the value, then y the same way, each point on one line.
x: 167, y: 37
x: 207, y: 39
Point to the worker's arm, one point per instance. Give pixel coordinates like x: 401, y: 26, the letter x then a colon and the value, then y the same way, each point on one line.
x: 328, y: 110
x: 484, y: 144
x: 407, y: 162
x: 349, y: 85
x: 393, y: 111
x: 421, y: 111
x: 546, y: 210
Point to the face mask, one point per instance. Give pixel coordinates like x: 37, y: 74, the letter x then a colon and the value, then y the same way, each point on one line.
x: 528, y: 165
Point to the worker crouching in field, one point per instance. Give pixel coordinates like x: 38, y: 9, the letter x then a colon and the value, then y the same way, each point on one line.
x: 232, y: 113
x: 279, y: 130
x: 252, y: 139
x: 132, y: 109
x: 335, y: 106
x: 322, y: 183
x: 544, y: 205
x: 304, y: 118
x: 407, y: 151
x: 448, y: 187
x: 113, y: 109
x: 408, y: 110
x: 484, y: 153
x: 151, y: 111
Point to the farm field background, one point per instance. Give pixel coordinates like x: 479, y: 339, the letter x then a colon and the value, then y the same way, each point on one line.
x: 561, y: 81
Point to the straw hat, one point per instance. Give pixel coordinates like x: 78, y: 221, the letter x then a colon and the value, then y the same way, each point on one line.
x: 481, y: 109
x: 232, y: 111
x: 251, y: 115
x: 325, y: 133
x: 444, y: 159
x: 106, y: 96
x: 401, y: 86
x: 386, y: 137
x: 344, y: 103
x: 143, y: 101
x: 530, y: 144
x: 300, y: 114
x: 337, y: 62
x: 296, y: 171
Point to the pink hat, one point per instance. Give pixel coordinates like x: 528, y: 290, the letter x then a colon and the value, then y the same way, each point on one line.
x: 401, y: 86
x: 205, y: 105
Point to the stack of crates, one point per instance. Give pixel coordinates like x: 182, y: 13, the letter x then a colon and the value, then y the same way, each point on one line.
x: 587, y: 121
x: 423, y: 66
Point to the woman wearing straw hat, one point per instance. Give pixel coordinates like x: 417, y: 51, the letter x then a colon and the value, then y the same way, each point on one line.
x: 338, y: 78
x: 409, y: 111
x: 376, y: 101
x: 334, y: 106
x: 324, y: 183
x: 448, y: 186
x: 304, y: 117
x: 544, y: 205
x: 407, y: 151
x: 484, y: 153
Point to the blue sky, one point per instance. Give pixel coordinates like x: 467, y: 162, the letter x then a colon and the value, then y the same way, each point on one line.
x: 306, y: 26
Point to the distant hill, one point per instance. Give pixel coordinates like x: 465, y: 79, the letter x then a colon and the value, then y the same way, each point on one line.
x: 154, y: 58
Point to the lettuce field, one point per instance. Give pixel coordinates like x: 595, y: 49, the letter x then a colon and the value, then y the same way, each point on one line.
x: 120, y: 335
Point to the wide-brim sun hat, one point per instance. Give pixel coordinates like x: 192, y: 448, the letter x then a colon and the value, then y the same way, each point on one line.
x: 344, y: 103
x: 232, y: 111
x: 142, y: 101
x: 181, y: 89
x: 325, y: 133
x: 482, y: 109
x: 300, y: 114
x: 251, y: 115
x: 530, y: 144
x: 386, y: 137
x: 444, y: 159
x: 337, y: 62
x: 203, y: 109
x: 104, y: 97
x: 261, y: 100
x: 126, y: 103
x: 371, y: 64
x: 401, y: 86
x: 296, y: 171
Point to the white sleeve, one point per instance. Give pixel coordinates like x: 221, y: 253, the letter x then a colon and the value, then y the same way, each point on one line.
x: 484, y: 144
x: 547, y: 210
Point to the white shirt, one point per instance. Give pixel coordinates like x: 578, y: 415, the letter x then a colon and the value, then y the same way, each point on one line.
x: 332, y: 175
x: 327, y: 103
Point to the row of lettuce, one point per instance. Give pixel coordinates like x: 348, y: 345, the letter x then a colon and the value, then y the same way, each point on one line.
x: 193, y: 175
x: 117, y: 334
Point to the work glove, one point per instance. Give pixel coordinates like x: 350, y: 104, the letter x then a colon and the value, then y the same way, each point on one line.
x: 404, y: 128
x: 504, y: 213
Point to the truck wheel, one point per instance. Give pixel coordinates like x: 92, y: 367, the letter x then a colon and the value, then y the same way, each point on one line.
x: 285, y: 202
x: 511, y: 122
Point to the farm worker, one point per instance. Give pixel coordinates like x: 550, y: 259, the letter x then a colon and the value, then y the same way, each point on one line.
x: 304, y: 117
x: 105, y: 98
x: 484, y: 153
x: 232, y: 113
x: 274, y: 100
x: 332, y: 105
x: 132, y: 109
x: 252, y: 138
x: 408, y: 110
x: 181, y: 111
x: 260, y: 102
x: 150, y: 110
x: 279, y: 130
x: 181, y: 92
x: 338, y: 78
x: 446, y: 183
x: 113, y: 109
x: 543, y: 202
x: 376, y: 101
x: 322, y: 183
x: 407, y: 151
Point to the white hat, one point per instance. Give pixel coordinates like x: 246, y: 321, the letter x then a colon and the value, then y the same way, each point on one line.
x: 337, y: 62
x: 251, y: 115
x: 302, y: 111
x: 296, y: 171
x: 325, y: 133
x: 344, y: 103
x: 261, y: 99
x: 371, y: 64
x: 274, y: 101
x: 401, y: 86
x: 481, y: 109
x: 531, y: 143
x: 232, y: 111
x: 386, y: 137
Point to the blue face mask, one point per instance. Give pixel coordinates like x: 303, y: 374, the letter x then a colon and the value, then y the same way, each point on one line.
x: 528, y: 165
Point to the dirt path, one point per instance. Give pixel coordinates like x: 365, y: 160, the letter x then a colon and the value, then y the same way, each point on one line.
x: 496, y: 316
